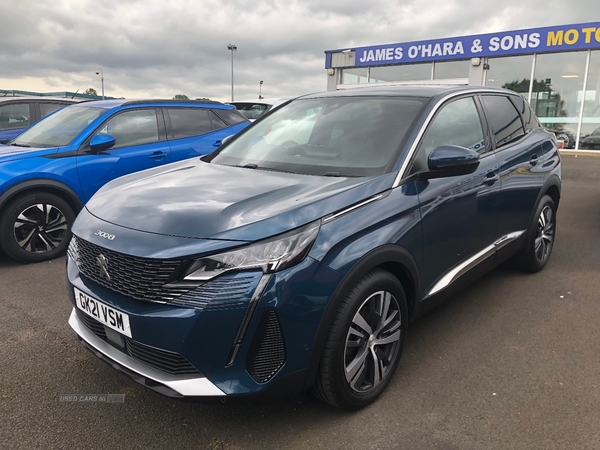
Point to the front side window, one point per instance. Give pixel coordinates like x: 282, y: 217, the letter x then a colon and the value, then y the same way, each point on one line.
x: 14, y: 116
x: 186, y: 122
x: 456, y: 124
x: 230, y: 116
x: 59, y: 129
x: 503, y: 118
x: 338, y: 136
x: 132, y: 128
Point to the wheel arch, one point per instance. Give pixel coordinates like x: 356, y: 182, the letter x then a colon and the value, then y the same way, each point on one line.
x: 42, y: 185
x: 393, y: 258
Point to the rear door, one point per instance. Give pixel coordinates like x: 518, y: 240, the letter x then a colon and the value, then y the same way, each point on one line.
x: 195, y: 131
x: 14, y: 117
x: 521, y: 156
x: 140, y: 144
x: 459, y: 214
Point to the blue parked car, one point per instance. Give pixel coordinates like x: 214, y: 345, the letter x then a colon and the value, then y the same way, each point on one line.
x: 52, y: 169
x: 296, y: 255
x: 17, y: 113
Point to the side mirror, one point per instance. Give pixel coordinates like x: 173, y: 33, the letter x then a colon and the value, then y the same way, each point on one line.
x: 226, y: 139
x: 102, y: 142
x: 450, y: 161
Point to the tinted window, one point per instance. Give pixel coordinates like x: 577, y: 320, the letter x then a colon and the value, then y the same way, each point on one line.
x: 457, y: 123
x: 216, y: 122
x: 345, y: 136
x: 230, y: 116
x: 189, y: 122
x: 14, y: 116
x: 251, y: 110
x: 529, y: 118
x: 132, y: 127
x: 503, y: 118
x: 47, y: 108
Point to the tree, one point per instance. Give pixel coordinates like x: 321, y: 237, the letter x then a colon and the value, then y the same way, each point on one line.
x: 181, y: 97
x: 90, y: 91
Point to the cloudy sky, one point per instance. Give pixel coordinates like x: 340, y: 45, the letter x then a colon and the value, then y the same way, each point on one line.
x: 159, y: 48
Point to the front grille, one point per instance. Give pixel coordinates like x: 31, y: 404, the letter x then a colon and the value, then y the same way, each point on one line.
x: 164, y: 360
x: 139, y: 278
x: 226, y: 292
x: 267, y: 351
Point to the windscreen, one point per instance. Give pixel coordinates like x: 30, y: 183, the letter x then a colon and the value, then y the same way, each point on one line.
x: 58, y: 129
x: 340, y: 136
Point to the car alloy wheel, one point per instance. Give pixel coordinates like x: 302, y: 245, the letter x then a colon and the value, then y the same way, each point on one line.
x: 372, y: 342
x: 545, y: 234
x: 40, y: 228
x: 36, y: 227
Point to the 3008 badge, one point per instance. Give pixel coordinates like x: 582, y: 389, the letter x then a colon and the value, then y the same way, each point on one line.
x: 105, y: 235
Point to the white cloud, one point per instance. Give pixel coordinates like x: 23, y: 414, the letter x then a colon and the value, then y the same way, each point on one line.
x: 161, y: 48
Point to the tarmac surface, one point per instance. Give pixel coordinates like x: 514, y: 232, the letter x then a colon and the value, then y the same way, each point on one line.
x: 512, y: 362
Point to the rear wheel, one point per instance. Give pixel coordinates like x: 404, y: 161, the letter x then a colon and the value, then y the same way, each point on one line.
x: 539, y: 238
x: 36, y: 227
x: 365, y: 342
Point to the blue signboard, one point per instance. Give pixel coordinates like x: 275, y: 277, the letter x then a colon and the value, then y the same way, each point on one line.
x: 535, y: 40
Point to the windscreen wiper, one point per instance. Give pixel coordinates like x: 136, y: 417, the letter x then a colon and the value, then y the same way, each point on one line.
x: 20, y: 145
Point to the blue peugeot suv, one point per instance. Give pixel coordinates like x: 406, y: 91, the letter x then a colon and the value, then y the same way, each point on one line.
x: 50, y: 170
x: 296, y: 255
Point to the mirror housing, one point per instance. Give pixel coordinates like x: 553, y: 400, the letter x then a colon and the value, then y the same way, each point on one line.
x: 226, y: 139
x: 450, y: 161
x: 102, y: 142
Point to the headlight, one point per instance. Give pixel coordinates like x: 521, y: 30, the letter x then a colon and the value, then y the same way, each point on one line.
x: 271, y: 255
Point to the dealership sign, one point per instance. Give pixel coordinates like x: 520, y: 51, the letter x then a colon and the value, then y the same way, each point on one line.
x: 536, y: 40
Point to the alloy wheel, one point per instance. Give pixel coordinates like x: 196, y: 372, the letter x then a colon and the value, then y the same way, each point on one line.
x: 545, y: 234
x: 372, y: 342
x: 40, y: 228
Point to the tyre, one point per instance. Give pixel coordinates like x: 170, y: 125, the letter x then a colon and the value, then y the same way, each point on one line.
x: 539, y: 238
x: 365, y: 342
x: 36, y: 227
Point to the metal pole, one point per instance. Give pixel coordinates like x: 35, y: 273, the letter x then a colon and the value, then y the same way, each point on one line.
x: 531, y: 80
x: 233, y: 48
x: 101, y: 73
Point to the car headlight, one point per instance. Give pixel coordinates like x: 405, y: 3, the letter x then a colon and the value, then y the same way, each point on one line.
x: 270, y: 255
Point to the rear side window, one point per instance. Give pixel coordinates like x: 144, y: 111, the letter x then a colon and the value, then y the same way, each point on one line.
x: 529, y: 119
x: 503, y: 118
x: 230, y: 116
x: 187, y: 122
x: 14, y: 116
x: 47, y: 108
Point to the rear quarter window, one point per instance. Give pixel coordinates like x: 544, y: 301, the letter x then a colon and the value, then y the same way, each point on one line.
x: 230, y: 116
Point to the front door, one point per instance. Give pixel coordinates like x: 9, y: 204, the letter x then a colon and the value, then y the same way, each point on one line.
x: 140, y: 144
x: 458, y: 213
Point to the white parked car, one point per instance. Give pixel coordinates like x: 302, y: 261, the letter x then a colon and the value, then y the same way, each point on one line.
x: 253, y: 109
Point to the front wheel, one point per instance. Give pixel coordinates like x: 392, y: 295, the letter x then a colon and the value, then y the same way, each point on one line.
x: 539, y: 238
x: 365, y: 342
x: 36, y: 227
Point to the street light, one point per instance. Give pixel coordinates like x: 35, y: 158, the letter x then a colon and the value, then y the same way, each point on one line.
x: 101, y: 73
x: 260, y: 97
x: 233, y: 48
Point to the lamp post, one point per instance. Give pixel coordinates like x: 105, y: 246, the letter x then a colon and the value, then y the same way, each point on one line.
x: 233, y: 48
x: 260, y: 97
x: 101, y: 73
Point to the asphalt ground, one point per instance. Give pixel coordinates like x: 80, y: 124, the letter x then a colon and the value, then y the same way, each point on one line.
x: 512, y: 362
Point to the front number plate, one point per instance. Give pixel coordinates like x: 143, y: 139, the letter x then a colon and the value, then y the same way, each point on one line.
x: 104, y: 314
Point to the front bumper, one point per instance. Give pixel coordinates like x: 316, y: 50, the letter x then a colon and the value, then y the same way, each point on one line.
x: 206, y: 336
x: 165, y: 383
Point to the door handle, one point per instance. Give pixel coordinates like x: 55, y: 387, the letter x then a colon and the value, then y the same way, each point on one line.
x: 491, y: 178
x: 534, y: 160
x: 157, y: 156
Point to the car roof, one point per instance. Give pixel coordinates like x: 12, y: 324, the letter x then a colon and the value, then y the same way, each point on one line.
x: 110, y: 104
x: 405, y: 90
x: 25, y: 99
